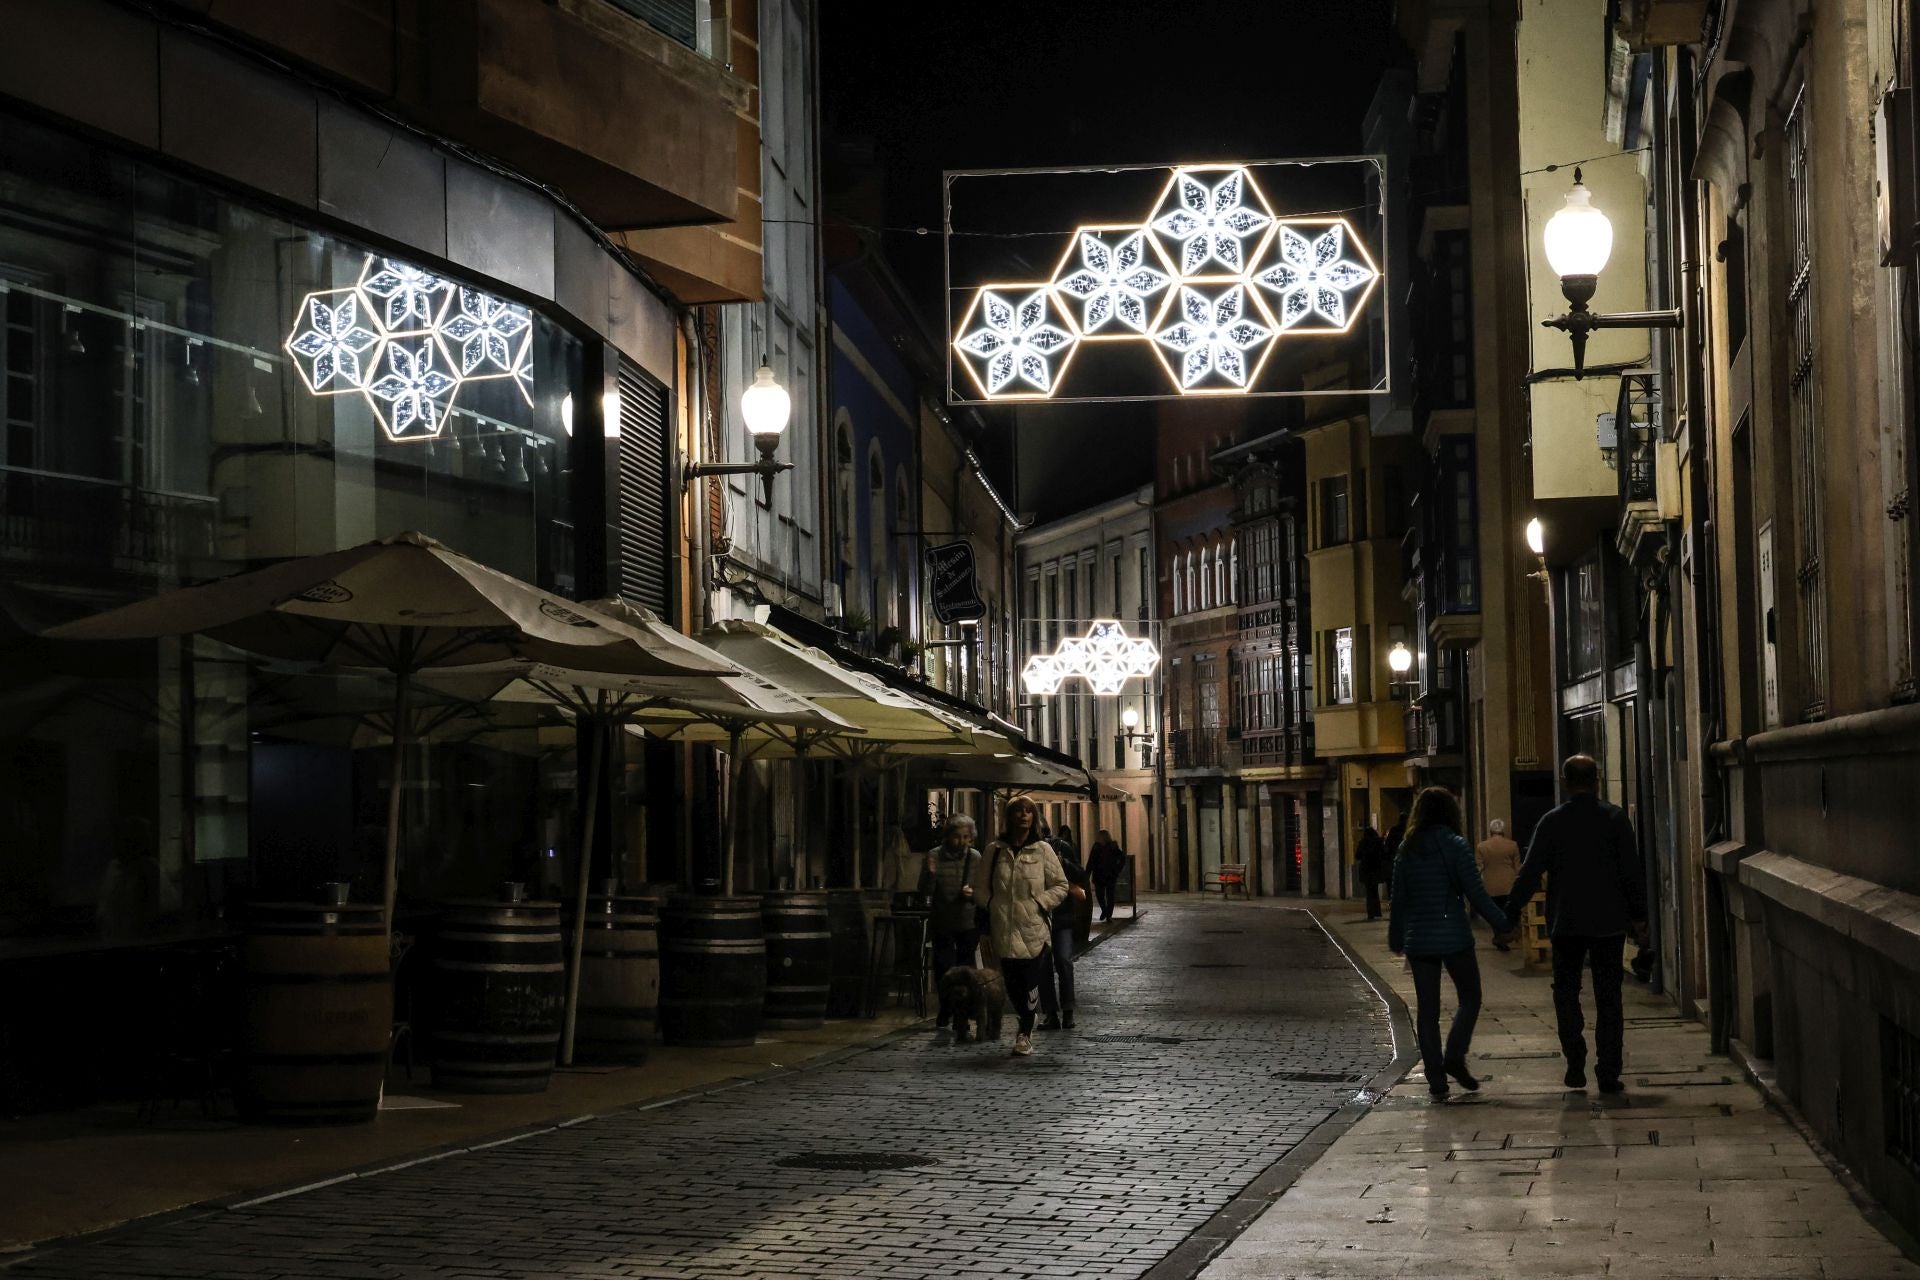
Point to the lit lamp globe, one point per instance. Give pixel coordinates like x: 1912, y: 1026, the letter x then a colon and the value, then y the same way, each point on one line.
x: 1130, y: 719
x: 1579, y: 239
x: 1400, y: 659
x: 765, y: 406
x: 1536, y: 537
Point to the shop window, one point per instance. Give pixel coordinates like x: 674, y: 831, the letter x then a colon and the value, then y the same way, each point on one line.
x: 1342, y: 673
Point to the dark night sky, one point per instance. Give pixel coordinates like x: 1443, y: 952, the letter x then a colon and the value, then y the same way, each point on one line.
x: 916, y: 87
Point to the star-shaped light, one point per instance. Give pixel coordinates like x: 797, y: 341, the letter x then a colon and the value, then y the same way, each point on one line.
x: 1212, y: 336
x: 410, y: 393
x: 1212, y: 223
x: 412, y: 297
x: 328, y: 350
x: 1314, y: 276
x: 486, y: 329
x: 1114, y: 282
x: 1106, y: 658
x: 1016, y: 340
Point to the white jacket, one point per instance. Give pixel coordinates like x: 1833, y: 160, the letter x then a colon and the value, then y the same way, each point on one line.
x: 1018, y: 889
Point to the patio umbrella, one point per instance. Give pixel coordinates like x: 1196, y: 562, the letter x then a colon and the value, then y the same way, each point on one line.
x: 731, y: 702
x: 401, y: 605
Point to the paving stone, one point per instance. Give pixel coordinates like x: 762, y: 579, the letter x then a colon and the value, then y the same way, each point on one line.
x: 1093, y: 1158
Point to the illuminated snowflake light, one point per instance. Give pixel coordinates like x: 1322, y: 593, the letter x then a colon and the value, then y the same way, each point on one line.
x: 1015, y: 341
x: 1208, y: 280
x: 1115, y: 283
x: 397, y: 337
x: 413, y: 396
x: 1214, y: 336
x: 1212, y: 223
x: 1314, y: 277
x: 487, y: 331
x: 328, y: 350
x: 1106, y: 658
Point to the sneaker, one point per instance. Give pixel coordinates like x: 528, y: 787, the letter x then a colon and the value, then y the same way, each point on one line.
x: 1050, y: 1023
x: 1457, y: 1068
x: 1437, y: 1096
x: 1612, y: 1084
x: 1576, y: 1075
x: 1023, y: 1045
x: 1066, y: 1019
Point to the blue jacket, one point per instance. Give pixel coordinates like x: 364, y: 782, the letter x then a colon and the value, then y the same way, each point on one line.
x: 1431, y: 873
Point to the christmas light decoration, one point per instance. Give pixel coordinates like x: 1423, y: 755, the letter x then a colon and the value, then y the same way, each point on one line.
x: 1115, y: 282
x: 408, y: 340
x: 1106, y: 658
x: 1314, y: 277
x: 1207, y: 281
x: 1014, y: 341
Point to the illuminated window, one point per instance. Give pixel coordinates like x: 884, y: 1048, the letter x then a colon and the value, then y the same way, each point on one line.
x: 1342, y: 690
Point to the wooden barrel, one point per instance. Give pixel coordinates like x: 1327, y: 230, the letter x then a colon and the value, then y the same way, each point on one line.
x: 847, y: 941
x: 619, y: 980
x: 499, y: 983
x: 713, y: 970
x: 799, y: 958
x: 317, y: 1013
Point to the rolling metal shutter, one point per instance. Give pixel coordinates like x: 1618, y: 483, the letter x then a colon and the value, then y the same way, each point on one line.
x: 646, y: 514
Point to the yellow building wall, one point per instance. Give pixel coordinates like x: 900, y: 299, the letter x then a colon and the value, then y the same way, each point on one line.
x: 1561, y: 94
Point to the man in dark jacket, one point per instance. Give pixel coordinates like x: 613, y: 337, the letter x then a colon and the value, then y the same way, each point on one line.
x: 1105, y: 864
x: 1371, y: 865
x: 1595, y: 898
x: 1056, y: 966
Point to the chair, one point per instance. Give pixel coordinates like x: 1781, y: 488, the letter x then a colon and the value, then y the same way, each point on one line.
x: 403, y: 946
x: 1231, y: 876
x: 190, y: 1008
x: 912, y: 961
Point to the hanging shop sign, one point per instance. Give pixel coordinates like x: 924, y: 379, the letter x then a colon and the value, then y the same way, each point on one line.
x: 408, y: 340
x: 1106, y: 658
x: 952, y: 583
x: 1192, y: 292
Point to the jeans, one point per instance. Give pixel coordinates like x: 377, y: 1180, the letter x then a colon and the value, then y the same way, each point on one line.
x: 1023, y: 986
x: 1057, y: 967
x: 1373, y: 898
x: 1604, y: 955
x: 1103, y: 894
x: 1464, y: 969
x: 950, y: 949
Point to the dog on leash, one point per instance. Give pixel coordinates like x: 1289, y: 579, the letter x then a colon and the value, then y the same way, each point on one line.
x: 977, y: 997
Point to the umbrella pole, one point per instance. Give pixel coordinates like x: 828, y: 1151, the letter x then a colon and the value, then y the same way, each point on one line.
x: 853, y: 815
x: 731, y: 844
x: 797, y: 856
x: 881, y: 852
x: 402, y: 723
x: 598, y: 767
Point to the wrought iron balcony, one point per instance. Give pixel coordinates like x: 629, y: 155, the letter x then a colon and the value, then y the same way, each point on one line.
x: 1637, y: 423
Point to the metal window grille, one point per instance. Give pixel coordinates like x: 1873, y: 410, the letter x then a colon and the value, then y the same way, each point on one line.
x: 1803, y: 419
x: 646, y: 528
x: 1900, y: 1086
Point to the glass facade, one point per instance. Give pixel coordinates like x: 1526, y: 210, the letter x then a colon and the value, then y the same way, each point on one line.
x: 174, y: 409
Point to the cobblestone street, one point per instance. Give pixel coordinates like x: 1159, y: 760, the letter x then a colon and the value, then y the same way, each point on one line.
x: 1212, y: 1040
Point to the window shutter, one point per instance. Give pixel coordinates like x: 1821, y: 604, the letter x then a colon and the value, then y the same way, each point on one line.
x: 646, y: 517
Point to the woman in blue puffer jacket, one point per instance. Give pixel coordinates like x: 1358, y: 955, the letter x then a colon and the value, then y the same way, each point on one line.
x: 1433, y: 871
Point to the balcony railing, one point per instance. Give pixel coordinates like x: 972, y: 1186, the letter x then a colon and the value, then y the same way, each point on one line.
x: 1637, y: 422
x: 94, y: 524
x: 1197, y: 748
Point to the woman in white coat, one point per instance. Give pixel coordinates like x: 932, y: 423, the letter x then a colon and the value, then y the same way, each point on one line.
x: 1018, y: 883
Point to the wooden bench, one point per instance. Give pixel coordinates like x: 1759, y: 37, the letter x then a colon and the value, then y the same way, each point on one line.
x: 1231, y: 876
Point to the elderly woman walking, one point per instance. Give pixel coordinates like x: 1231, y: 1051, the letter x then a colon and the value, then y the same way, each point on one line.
x: 948, y: 883
x: 1016, y: 885
x: 1433, y: 871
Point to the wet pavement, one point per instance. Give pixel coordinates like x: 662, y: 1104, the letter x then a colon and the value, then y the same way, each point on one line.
x: 1213, y: 1039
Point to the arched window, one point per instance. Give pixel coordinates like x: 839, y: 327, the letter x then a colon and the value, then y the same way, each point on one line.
x: 1179, y: 588
x: 1193, y: 600
x: 1233, y: 572
x: 1206, y: 579
x: 1220, y: 588
x: 843, y: 513
x: 879, y: 570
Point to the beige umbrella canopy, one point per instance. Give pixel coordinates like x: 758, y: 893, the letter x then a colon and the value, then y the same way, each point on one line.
x: 402, y: 605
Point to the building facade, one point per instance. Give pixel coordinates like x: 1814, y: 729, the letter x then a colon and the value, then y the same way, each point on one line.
x: 1097, y: 564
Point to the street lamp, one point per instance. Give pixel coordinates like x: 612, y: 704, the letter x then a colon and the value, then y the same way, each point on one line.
x: 1400, y: 662
x: 765, y: 406
x: 1130, y: 724
x: 1579, y: 240
x: 1537, y: 543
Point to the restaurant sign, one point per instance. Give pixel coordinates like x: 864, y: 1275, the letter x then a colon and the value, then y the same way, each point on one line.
x: 952, y: 584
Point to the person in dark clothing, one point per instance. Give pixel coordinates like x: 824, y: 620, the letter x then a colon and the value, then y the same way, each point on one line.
x: 1105, y: 865
x: 1595, y: 898
x: 1434, y: 871
x: 1395, y: 835
x: 1371, y: 865
x: 1056, y: 966
x: 954, y: 920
